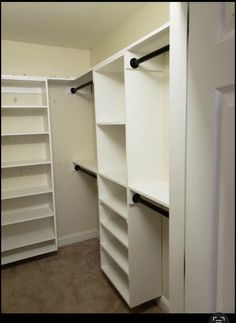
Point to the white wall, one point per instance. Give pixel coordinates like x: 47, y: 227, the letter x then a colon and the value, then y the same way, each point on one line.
x: 73, y: 138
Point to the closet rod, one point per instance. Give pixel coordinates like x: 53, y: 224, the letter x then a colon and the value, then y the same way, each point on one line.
x: 77, y: 167
x: 75, y: 89
x: 134, y: 62
x: 137, y: 198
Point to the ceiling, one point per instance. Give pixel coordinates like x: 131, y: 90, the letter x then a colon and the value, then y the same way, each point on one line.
x: 67, y: 24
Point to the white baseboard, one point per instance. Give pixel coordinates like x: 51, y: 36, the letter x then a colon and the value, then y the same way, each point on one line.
x: 164, y: 304
x: 77, y: 237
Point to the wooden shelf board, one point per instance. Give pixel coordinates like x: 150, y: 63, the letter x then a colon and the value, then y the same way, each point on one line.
x: 111, y: 123
x: 156, y: 191
x: 9, y: 194
x: 116, y: 205
x: 27, y: 252
x: 90, y: 165
x: 117, y: 176
x: 117, y: 256
x: 116, y: 232
x: 24, y: 133
x: 116, y: 281
x: 27, y: 239
x: 25, y: 163
x: 23, y: 215
x: 24, y: 107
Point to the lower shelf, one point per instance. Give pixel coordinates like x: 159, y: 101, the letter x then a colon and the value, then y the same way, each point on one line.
x: 27, y: 252
x: 27, y: 233
x: 115, y: 275
x: 117, y: 254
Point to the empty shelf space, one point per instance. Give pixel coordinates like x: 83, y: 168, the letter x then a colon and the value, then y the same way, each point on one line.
x: 23, y: 215
x: 27, y: 252
x: 115, y: 275
x: 24, y: 133
x: 116, y: 205
x: 25, y: 163
x: 116, y: 252
x: 114, y: 196
x: 90, y: 165
x: 24, y: 106
x: 15, y: 193
x: 25, y: 234
x: 156, y: 191
x: 116, y: 232
x: 24, y: 148
x: 118, y: 176
x: 116, y: 281
x: 115, y: 225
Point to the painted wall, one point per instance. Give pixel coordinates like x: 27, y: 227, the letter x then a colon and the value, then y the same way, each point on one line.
x: 145, y: 20
x: 73, y: 137
x: 40, y: 60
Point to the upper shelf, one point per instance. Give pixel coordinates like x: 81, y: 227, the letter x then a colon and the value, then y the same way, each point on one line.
x: 90, y: 165
x: 24, y: 107
x: 22, y: 163
x: 157, y: 191
x: 24, y: 133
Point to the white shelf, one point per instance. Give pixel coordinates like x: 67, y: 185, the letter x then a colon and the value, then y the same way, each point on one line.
x: 116, y: 230
x: 111, y: 123
x: 27, y: 252
x: 90, y: 165
x: 23, y: 239
x: 25, y: 163
x: 117, y: 176
x: 156, y: 191
x: 24, y: 106
x: 16, y: 193
x: 117, y: 281
x: 116, y: 205
x: 24, y: 215
x: 117, y: 256
x: 24, y: 133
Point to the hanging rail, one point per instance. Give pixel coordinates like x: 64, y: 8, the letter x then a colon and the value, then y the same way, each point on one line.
x: 77, y: 168
x: 73, y: 90
x: 134, y: 62
x: 137, y: 198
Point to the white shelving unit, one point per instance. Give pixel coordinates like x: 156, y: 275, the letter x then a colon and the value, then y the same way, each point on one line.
x: 132, y: 127
x: 28, y: 202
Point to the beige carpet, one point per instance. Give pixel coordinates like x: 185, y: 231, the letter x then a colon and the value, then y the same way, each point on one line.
x: 67, y: 282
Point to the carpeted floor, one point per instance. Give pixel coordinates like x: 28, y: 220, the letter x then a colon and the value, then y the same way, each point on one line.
x: 67, y: 282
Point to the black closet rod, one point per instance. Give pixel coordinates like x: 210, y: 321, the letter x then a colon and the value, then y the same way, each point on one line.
x: 137, y: 198
x: 75, y: 89
x: 134, y: 62
x: 77, y: 167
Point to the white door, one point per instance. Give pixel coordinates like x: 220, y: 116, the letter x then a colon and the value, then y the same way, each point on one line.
x: 210, y: 206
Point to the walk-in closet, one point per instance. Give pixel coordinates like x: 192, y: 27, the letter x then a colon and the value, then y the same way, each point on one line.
x: 117, y: 157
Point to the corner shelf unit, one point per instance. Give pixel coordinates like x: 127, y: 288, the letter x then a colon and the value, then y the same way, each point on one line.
x: 132, y: 126
x: 28, y: 201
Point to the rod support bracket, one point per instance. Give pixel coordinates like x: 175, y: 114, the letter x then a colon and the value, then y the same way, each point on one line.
x: 133, y: 63
x: 73, y: 90
x: 136, y: 198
